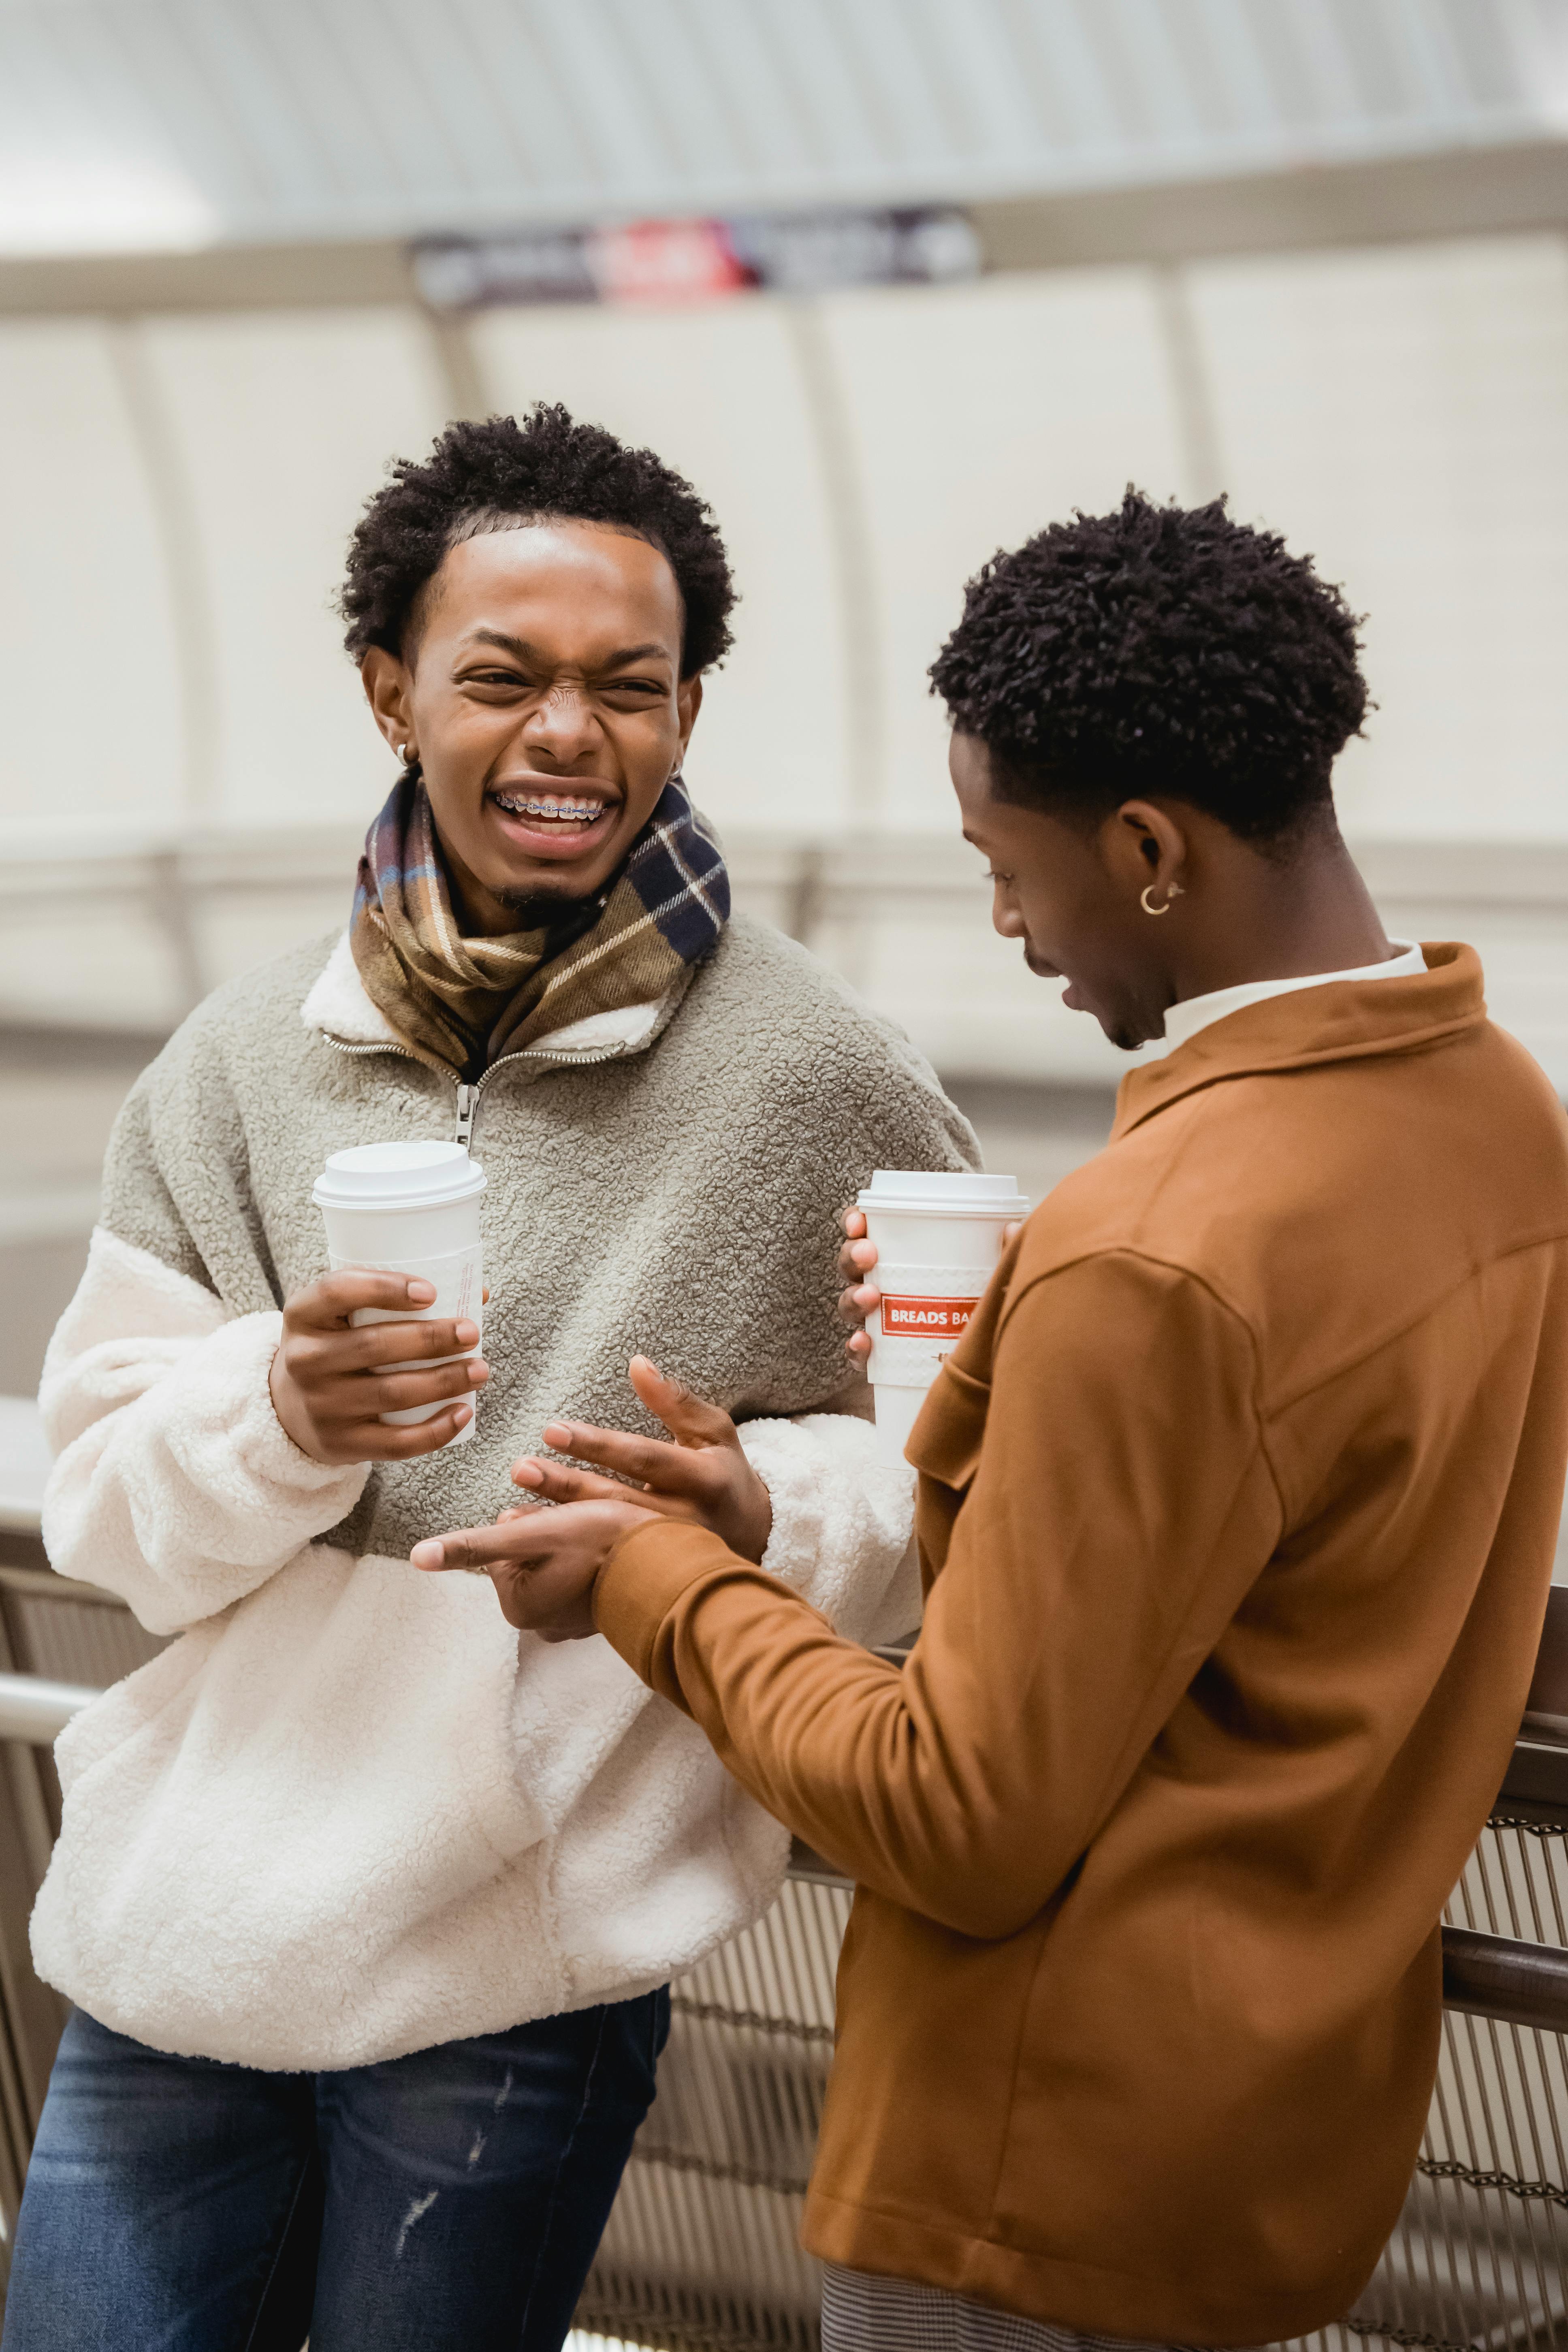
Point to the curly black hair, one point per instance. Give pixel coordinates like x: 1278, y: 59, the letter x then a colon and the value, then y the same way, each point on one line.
x: 489, y: 476
x: 1157, y: 649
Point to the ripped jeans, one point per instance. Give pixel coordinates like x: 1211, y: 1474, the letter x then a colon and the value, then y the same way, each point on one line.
x: 451, y: 2198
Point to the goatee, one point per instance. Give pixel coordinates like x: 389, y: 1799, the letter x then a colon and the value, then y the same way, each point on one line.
x: 550, y: 910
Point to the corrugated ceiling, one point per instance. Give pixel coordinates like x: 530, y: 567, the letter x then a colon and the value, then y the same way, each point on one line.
x: 136, y: 124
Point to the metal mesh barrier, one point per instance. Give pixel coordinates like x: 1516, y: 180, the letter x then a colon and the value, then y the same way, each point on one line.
x: 77, y: 1641
x: 701, y: 2251
x: 1481, y: 2254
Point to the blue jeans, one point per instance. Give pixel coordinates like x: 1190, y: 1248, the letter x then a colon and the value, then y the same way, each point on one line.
x: 452, y: 2199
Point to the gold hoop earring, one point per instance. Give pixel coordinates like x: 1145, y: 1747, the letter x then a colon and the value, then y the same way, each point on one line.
x: 1175, y: 891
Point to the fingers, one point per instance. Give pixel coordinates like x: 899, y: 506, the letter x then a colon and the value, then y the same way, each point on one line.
x: 400, y: 1391
x: 402, y: 1343
x: 856, y: 1260
x: 646, y: 1459
x: 327, y: 1304
x: 315, y: 1354
x: 337, y: 1420
x: 689, y: 1418
x: 559, y: 1482
x: 858, y: 1347
x: 530, y: 1538
x: 854, y: 1223
x: 855, y: 1304
x: 523, y: 1538
x: 334, y: 1395
x: 374, y: 1441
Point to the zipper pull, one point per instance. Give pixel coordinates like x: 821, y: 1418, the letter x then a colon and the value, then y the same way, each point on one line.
x: 468, y: 1104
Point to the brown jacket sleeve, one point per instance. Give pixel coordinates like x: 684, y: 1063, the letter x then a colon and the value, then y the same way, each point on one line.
x: 1122, y: 1507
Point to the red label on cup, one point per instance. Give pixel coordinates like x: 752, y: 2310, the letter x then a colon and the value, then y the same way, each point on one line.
x: 927, y: 1318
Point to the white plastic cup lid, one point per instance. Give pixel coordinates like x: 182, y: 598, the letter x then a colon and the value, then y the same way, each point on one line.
x: 397, y: 1176
x: 930, y: 1191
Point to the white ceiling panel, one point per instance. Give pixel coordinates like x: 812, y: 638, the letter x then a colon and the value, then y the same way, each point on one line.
x: 157, y: 123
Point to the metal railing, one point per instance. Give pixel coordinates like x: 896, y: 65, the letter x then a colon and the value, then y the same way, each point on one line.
x: 903, y: 915
x: 35, y: 1711
x: 701, y: 2253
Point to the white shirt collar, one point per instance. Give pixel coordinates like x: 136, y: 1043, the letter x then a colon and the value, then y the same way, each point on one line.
x: 1185, y: 1020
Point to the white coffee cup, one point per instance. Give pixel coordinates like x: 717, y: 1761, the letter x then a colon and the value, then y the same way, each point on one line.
x: 938, y: 1238
x: 414, y: 1209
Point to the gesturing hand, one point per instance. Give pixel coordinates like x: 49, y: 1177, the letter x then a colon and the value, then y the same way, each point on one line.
x: 704, y: 1477
x: 544, y: 1563
x: 329, y: 1380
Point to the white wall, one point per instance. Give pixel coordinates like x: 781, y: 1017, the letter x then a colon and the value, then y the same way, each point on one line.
x: 283, y: 422
x: 719, y: 393
x: 90, y: 680
x: 1403, y: 415
x: 979, y: 414
x: 175, y: 494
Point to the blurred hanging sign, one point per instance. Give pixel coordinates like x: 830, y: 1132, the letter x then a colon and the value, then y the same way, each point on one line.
x: 664, y: 261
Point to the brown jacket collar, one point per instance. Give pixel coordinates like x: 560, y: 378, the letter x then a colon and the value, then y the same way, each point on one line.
x: 1335, y: 1021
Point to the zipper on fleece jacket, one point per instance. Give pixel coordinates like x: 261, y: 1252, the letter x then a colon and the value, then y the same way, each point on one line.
x: 468, y: 1096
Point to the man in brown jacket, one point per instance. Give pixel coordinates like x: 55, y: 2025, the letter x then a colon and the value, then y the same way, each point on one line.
x: 1236, y: 1512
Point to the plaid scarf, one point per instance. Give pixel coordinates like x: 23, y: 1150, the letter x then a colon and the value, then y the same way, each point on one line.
x: 461, y: 1004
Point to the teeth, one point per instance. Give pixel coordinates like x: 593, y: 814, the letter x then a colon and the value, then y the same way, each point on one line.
x: 571, y: 812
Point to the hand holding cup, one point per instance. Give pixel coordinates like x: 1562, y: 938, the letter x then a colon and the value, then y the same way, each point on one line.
x: 331, y: 1381
x: 860, y: 1297
x: 945, y: 1229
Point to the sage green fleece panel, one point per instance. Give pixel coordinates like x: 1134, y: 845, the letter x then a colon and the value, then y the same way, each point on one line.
x: 680, y: 1199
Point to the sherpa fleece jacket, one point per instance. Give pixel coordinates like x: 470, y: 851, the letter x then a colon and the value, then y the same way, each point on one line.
x: 352, y: 1812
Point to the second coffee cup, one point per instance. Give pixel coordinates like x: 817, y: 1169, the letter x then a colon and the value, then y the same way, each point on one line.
x: 413, y: 1209
x: 938, y: 1235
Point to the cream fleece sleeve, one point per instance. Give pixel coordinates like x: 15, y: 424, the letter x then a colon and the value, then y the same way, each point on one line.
x: 842, y: 1532
x: 175, y: 1484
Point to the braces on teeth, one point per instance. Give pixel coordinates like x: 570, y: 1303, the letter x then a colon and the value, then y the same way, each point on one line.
x: 579, y: 811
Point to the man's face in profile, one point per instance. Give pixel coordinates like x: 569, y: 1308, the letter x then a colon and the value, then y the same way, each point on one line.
x: 1057, y: 890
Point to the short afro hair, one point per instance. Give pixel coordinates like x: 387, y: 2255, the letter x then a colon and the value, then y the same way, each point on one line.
x: 1161, y: 650
x: 491, y: 476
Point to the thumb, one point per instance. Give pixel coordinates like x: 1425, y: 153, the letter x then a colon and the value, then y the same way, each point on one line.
x: 690, y: 1418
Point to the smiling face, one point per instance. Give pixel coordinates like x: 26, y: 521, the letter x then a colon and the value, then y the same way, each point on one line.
x: 540, y: 691
x: 1072, y: 897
